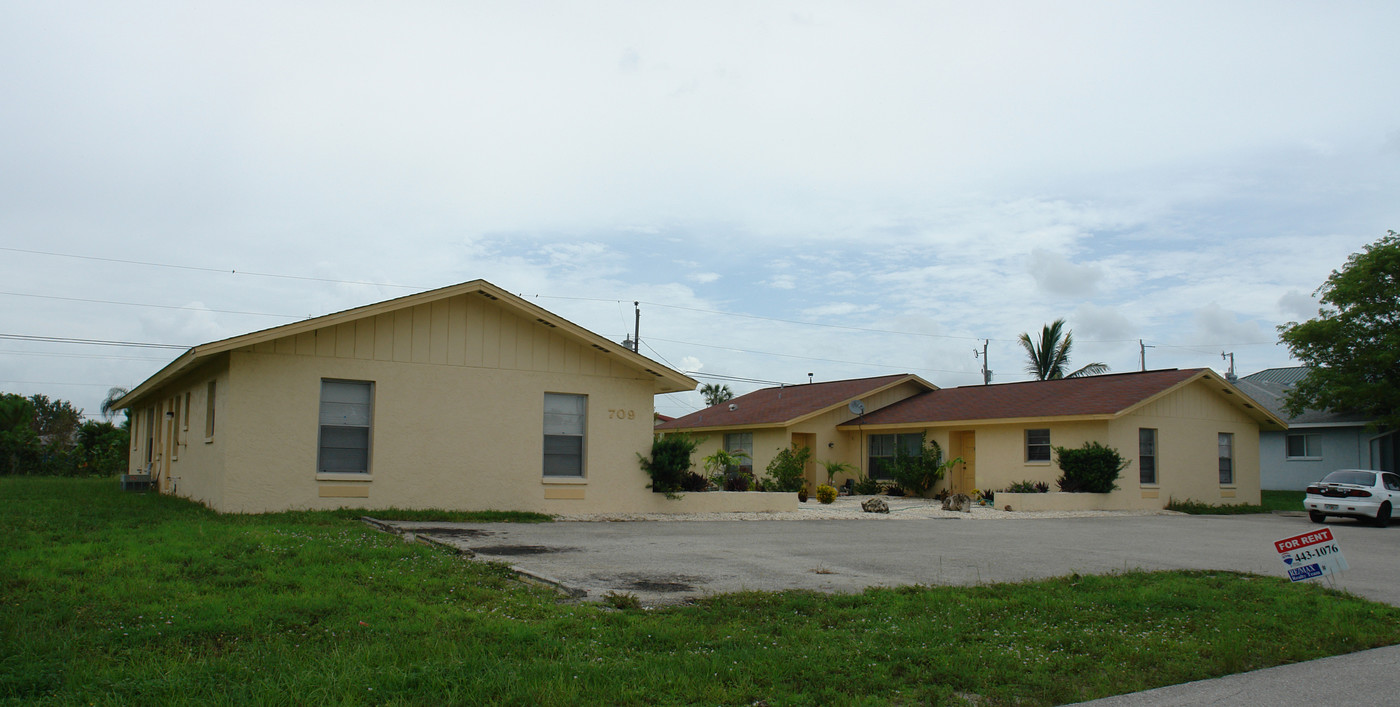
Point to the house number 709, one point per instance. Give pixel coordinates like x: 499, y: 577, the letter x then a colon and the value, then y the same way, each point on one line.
x: 622, y: 414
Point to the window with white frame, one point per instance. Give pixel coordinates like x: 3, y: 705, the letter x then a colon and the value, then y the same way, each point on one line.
x: 347, y: 413
x: 1227, y: 458
x: 1305, y: 446
x: 884, y: 447
x: 565, y: 425
x: 1147, y: 456
x: 1038, y: 445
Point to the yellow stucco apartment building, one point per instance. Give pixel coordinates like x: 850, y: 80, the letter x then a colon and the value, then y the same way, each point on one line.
x: 465, y: 397
x: 1189, y: 434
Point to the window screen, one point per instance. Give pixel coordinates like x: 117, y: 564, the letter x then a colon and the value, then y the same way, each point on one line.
x: 346, y: 412
x: 565, y: 418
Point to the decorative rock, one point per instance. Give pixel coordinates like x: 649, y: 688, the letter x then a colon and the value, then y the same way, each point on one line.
x: 875, y: 505
x: 958, y: 502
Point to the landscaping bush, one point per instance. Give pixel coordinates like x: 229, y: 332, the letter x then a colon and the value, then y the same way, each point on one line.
x: 787, y: 469
x: 866, y: 486
x: 669, y: 463
x: 826, y: 494
x: 917, y: 474
x: 1092, y: 468
x: 1028, y: 487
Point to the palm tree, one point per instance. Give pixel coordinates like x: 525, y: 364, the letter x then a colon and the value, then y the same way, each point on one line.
x: 1050, y: 357
x: 716, y: 393
x: 113, y: 395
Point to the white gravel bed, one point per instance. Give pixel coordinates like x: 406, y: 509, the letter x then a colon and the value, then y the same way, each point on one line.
x: 848, y: 508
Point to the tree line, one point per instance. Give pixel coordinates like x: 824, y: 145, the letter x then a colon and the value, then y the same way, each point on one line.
x: 50, y: 437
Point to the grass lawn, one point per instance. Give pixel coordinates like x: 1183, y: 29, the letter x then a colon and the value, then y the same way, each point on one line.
x: 1269, y: 502
x: 115, y: 598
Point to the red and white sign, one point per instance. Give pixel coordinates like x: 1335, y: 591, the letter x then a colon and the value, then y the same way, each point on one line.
x: 1312, y: 554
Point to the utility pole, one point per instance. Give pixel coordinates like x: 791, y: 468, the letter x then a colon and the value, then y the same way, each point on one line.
x: 986, y: 372
x: 637, y: 328
x: 1142, y: 353
x: 1229, y: 374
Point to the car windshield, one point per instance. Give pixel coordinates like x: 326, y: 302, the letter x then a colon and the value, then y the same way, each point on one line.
x: 1355, y: 478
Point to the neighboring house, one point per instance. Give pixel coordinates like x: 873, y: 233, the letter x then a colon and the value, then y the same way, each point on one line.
x: 465, y: 397
x: 762, y: 423
x: 1317, y: 441
x: 1189, y: 433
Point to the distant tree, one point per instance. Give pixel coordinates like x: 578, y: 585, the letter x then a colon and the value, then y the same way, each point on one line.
x: 1352, y: 348
x: 19, y: 445
x: 1048, y: 359
x: 56, y: 421
x: 716, y: 393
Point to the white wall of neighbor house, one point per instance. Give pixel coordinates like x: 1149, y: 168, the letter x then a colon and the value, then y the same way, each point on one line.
x: 1316, y: 452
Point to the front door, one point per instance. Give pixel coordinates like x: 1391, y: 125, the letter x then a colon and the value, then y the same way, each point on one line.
x: 964, y: 476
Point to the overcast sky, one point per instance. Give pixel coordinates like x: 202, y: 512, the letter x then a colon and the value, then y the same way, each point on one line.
x: 841, y: 189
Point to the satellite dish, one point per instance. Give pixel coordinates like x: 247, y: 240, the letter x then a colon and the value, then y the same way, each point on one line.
x: 857, y: 407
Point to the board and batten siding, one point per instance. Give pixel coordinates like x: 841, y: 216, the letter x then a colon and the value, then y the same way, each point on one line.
x: 466, y: 330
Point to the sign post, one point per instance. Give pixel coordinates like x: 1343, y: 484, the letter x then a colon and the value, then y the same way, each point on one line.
x: 1311, y: 554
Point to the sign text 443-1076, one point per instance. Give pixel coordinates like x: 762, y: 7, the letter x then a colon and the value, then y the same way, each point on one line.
x: 1311, y: 554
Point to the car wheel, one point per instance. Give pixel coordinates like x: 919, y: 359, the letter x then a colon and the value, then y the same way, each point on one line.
x: 1383, y: 515
x: 1316, y: 517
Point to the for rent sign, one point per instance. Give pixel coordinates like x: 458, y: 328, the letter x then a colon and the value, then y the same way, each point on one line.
x: 1311, y: 554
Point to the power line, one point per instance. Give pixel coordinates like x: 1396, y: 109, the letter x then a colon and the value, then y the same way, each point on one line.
x: 808, y: 358
x: 234, y: 271
x: 228, y: 271
x: 55, y: 354
x: 92, y: 342
x: 155, y: 306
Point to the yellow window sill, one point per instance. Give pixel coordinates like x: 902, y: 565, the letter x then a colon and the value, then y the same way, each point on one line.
x: 342, y: 476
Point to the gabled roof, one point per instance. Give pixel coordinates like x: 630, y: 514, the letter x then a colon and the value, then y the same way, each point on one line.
x: 666, y: 379
x: 1270, y: 387
x: 787, y: 405
x: 1102, y: 397
x: 1287, y: 376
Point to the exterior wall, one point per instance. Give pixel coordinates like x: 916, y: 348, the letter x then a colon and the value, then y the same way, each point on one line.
x: 1342, y: 448
x: 457, y: 417
x: 1187, y: 423
x: 183, y: 460
x: 1001, y: 450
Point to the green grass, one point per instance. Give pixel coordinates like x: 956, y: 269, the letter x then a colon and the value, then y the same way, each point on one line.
x: 1269, y: 502
x: 109, y: 598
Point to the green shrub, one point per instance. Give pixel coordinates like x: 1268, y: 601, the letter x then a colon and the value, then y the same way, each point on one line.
x: 917, y: 474
x: 1028, y: 487
x: 787, y: 469
x: 1092, y: 468
x: 866, y: 486
x: 833, y: 468
x: 826, y: 494
x: 669, y: 463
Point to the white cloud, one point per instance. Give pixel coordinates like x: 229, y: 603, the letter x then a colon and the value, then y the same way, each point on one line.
x: 1056, y: 275
x: 1297, y: 306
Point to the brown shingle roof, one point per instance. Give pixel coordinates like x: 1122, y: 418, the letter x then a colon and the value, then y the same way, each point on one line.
x: 1092, y: 395
x: 776, y: 406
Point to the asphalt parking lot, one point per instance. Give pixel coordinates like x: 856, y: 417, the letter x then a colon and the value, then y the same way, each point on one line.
x: 668, y: 562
